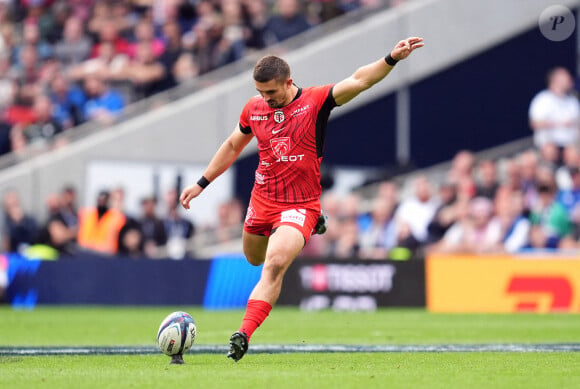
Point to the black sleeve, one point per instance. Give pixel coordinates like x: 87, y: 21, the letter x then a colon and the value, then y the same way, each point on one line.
x: 330, y: 102
x: 245, y: 130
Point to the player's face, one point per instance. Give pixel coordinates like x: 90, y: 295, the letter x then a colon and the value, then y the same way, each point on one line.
x: 275, y: 93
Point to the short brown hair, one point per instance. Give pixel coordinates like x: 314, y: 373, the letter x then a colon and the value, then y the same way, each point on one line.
x: 271, y: 68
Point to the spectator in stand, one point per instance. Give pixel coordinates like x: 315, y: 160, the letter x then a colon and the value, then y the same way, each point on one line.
x: 122, y: 13
x: 81, y: 8
x: 512, y: 175
x: 347, y: 246
x: 571, y: 160
x: 548, y: 213
x: 540, y: 239
x: 173, y: 51
x: 109, y: 33
x: 6, y: 27
x: 462, y: 166
x: 99, y: 226
x: 233, y: 27
x: 185, y: 69
x: 466, y: 188
x: 40, y: 13
x: 555, y: 112
x: 288, y: 21
x: 145, y: 73
x: 344, y: 243
x: 131, y: 240
x: 152, y: 227
x: 515, y: 227
x: 418, y: 210
x: 67, y: 101
x: 230, y: 217
x: 27, y: 75
x: 31, y: 37
x: 7, y: 86
x: 210, y: 47
x: 107, y: 64
x: 117, y: 200
x: 320, y: 11
x: 550, y: 156
x: 487, y: 182
x: 40, y: 134
x: 528, y: 166
x: 19, y: 229
x: 256, y: 19
x: 445, y: 215
x: 74, y: 47
x: 476, y: 231
x: 104, y: 104
x: 145, y: 34
x: 178, y: 229
x: 390, y: 191
x: 379, y: 237
x: 55, y: 232
x: 60, y: 12
x: 99, y: 14
x: 69, y: 209
x: 570, y: 198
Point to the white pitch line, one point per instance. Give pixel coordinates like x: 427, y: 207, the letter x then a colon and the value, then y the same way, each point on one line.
x: 296, y: 348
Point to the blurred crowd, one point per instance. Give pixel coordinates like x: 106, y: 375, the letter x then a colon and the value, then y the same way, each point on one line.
x: 521, y: 203
x: 105, y: 228
x: 515, y: 204
x: 518, y: 204
x: 63, y: 63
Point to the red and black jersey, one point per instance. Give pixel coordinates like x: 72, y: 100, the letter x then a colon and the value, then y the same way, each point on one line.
x: 290, y: 144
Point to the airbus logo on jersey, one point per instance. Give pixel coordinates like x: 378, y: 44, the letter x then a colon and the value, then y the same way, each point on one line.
x: 259, y: 117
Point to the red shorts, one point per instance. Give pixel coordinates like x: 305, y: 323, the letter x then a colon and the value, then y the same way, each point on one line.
x: 264, y: 215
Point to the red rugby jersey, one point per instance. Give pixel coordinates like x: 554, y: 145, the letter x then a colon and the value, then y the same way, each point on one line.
x: 290, y: 144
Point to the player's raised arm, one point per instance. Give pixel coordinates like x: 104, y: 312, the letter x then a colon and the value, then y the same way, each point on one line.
x: 221, y: 161
x: 366, y: 76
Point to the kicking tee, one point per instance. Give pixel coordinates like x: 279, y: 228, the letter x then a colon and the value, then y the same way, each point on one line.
x: 290, y: 144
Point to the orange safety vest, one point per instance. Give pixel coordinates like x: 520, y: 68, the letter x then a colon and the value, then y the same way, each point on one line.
x: 102, y: 234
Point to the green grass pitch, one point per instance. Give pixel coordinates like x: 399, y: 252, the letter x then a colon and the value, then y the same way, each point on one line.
x: 137, y: 326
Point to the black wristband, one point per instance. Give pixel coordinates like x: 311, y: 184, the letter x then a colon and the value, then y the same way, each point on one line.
x: 203, y: 182
x: 390, y: 60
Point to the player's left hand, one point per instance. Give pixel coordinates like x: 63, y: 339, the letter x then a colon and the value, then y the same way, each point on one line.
x: 405, y: 47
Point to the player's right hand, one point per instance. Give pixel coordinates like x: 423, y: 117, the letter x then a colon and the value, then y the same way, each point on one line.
x: 189, y: 194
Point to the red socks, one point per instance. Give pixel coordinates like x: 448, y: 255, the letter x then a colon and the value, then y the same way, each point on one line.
x: 256, y: 312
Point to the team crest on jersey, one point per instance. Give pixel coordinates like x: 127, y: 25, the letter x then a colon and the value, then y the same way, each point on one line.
x: 278, y: 116
x: 280, y: 146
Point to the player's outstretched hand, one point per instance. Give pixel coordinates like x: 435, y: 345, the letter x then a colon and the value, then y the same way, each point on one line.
x: 405, y: 47
x: 189, y: 194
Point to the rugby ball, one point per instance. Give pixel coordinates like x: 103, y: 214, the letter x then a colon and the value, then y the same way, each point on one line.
x: 176, y: 333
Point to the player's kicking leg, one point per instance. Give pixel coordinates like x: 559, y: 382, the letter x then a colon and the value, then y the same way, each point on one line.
x: 283, y: 246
